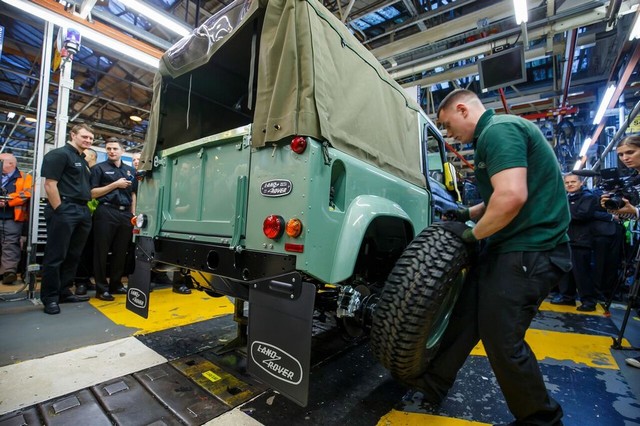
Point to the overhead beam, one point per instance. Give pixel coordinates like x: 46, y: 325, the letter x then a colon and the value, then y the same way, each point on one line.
x: 105, y: 30
x: 467, y: 22
x: 484, y: 46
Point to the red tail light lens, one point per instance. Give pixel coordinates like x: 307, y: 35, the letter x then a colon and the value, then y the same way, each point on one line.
x: 273, y: 226
x: 298, y: 144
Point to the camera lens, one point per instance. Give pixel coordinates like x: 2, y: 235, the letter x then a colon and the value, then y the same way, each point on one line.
x: 614, y: 203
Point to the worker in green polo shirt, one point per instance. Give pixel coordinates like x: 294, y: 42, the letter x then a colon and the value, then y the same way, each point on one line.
x: 523, y: 220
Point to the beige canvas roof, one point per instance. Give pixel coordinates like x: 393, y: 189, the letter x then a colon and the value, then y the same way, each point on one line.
x: 313, y: 79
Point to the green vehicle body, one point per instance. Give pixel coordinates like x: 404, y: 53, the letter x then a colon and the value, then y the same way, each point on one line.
x: 208, y: 187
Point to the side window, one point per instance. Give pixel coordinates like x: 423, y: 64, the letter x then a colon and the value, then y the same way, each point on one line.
x: 434, y: 155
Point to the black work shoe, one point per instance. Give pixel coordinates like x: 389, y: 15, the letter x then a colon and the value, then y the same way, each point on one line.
x: 586, y: 307
x: 51, y: 308
x: 74, y: 298
x: 81, y: 289
x: 560, y: 300
x: 106, y: 296
x: 119, y: 290
x: 9, y: 278
x: 183, y: 289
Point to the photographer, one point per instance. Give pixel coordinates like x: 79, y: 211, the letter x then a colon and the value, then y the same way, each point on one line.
x: 629, y: 154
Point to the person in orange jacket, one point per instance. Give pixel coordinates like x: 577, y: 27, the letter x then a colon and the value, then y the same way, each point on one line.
x: 14, y: 212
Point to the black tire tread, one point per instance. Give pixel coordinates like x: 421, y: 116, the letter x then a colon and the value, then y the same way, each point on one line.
x: 410, y: 300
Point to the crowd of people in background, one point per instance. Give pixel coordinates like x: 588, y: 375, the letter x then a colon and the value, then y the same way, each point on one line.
x: 88, y: 218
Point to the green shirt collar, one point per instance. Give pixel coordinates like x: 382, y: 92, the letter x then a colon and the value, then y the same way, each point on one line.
x: 482, y: 123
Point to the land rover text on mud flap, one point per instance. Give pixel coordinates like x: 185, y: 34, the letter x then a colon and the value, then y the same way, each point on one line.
x: 283, y: 166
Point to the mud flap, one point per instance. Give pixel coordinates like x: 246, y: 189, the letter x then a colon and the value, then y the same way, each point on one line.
x: 140, y: 282
x: 279, y: 349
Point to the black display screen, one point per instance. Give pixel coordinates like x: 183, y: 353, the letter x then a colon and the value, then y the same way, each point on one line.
x: 501, y: 69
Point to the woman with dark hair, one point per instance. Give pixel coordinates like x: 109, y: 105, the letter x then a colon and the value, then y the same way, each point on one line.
x: 629, y: 154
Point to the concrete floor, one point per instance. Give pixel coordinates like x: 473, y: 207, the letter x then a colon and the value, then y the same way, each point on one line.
x: 45, y: 359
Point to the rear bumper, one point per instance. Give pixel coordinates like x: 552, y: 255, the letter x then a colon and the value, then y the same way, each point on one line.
x: 222, y: 261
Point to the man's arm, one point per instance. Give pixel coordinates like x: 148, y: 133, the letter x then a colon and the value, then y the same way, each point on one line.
x: 477, y: 211
x: 51, y: 188
x: 133, y: 203
x: 100, y: 191
x: 509, y: 195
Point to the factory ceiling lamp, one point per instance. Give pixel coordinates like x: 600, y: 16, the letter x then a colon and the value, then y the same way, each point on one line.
x: 85, y: 31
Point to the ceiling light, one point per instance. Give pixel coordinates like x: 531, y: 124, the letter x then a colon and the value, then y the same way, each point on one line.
x: 585, y: 147
x: 30, y: 119
x: 577, y: 165
x: 635, y: 32
x: 10, y: 115
x: 158, y: 17
x: 85, y: 31
x: 520, y: 7
x: 135, y: 118
x: 604, y: 104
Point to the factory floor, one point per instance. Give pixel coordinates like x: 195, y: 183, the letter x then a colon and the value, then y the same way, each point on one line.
x: 97, y: 363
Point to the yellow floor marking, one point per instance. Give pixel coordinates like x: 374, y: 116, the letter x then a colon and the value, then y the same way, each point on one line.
x: 401, y: 418
x: 592, y: 351
x: 166, y: 310
x: 546, y: 306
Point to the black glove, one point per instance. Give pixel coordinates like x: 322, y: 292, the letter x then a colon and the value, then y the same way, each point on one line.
x: 461, y: 230
x: 459, y: 215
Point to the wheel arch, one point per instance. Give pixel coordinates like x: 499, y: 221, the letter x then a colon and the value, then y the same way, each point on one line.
x: 364, y: 215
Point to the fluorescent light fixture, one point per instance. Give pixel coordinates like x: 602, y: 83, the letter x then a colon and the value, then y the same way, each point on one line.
x: 635, y: 32
x: 522, y: 14
x: 135, y: 118
x: 86, y: 32
x: 30, y: 119
x: 158, y: 17
x: 585, y: 147
x: 577, y: 165
x: 604, y: 104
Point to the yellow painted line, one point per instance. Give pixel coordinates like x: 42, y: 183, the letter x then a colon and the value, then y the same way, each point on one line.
x: 166, y: 310
x: 401, y: 418
x: 546, y: 306
x: 592, y: 351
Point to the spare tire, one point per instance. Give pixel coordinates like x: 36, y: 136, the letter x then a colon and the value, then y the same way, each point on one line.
x: 416, y: 302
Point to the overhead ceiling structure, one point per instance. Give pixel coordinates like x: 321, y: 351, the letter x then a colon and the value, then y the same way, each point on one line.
x: 573, y: 48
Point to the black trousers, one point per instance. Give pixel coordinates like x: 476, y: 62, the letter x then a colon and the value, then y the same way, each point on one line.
x: 112, y: 232
x: 607, y: 253
x: 497, y: 305
x: 67, y: 229
x: 580, y: 278
x: 85, y: 266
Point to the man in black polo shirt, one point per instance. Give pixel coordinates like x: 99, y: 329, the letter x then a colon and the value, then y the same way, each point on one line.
x: 67, y: 217
x: 114, y: 185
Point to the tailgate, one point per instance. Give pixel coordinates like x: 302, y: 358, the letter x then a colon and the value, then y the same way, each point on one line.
x: 206, y: 186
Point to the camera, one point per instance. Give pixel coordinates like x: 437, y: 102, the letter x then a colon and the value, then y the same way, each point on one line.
x: 618, y: 187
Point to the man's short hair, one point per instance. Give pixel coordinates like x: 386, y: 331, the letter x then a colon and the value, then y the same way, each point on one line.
x: 114, y: 140
x: 456, y: 96
x: 75, y: 129
x: 566, y: 175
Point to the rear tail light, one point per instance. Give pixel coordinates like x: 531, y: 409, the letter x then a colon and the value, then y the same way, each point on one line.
x: 294, y: 228
x: 273, y: 226
x: 298, y: 144
x: 139, y: 221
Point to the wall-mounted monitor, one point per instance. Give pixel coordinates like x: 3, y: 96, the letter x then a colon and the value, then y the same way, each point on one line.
x: 503, y: 68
